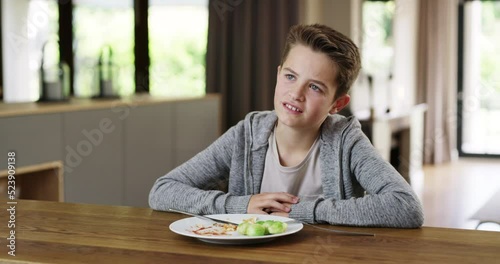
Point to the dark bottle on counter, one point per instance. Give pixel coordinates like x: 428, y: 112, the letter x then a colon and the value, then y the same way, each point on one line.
x: 54, y: 74
x: 105, y: 68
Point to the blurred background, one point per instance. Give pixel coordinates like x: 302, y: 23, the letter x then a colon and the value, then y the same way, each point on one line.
x: 428, y: 95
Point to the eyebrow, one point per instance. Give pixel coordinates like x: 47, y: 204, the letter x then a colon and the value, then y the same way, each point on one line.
x: 316, y: 81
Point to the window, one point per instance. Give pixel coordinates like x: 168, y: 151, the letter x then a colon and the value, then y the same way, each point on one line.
x: 377, y: 45
x: 479, y: 94
x: 377, y: 57
x: 99, y: 25
x: 173, y: 33
x: 177, y: 47
x: 26, y: 26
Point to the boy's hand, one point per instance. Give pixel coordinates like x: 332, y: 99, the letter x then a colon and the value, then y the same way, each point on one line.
x: 280, y: 214
x: 275, y: 203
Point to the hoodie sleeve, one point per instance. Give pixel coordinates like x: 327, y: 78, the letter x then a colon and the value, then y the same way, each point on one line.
x: 196, y: 186
x: 389, y: 202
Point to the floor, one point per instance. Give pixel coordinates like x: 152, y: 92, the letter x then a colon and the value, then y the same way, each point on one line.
x: 453, y: 192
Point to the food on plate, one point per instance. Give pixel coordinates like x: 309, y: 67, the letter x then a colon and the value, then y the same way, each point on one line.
x: 216, y: 229
x: 261, y: 228
x: 242, y: 228
x: 249, y: 227
x: 277, y: 227
x: 255, y: 230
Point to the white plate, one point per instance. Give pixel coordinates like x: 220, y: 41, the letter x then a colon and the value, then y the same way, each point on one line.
x: 185, y: 226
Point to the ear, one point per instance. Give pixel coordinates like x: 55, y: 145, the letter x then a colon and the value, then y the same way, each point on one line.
x: 340, y: 103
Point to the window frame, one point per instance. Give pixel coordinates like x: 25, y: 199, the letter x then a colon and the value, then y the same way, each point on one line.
x: 460, y: 81
x: 141, y: 43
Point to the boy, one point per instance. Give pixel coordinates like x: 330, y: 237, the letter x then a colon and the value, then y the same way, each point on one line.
x: 300, y: 160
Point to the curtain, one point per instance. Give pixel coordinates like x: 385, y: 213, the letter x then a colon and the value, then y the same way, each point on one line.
x: 437, y: 77
x: 245, y: 40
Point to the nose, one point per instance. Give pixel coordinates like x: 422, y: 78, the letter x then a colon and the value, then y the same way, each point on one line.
x: 297, y: 93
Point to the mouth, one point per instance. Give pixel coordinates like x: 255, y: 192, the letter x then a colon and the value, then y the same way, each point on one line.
x: 292, y: 108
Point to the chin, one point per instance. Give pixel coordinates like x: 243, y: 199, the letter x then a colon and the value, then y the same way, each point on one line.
x: 287, y: 121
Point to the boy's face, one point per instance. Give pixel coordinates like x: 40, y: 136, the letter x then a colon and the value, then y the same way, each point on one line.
x: 305, y: 89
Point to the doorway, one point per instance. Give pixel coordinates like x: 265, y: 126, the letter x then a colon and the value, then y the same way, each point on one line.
x: 479, y: 78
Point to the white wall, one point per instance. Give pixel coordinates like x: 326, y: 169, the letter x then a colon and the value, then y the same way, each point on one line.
x: 405, y: 55
x: 341, y: 15
x: 15, y: 49
x: 25, y: 28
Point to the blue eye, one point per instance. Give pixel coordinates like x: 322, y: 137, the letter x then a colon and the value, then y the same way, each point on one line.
x: 289, y: 77
x: 315, y: 88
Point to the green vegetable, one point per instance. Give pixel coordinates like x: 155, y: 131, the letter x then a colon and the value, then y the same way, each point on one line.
x: 261, y: 228
x: 242, y: 228
x: 277, y: 227
x: 265, y: 224
x: 255, y: 230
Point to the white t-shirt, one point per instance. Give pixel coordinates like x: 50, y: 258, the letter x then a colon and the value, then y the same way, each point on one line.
x: 303, y: 180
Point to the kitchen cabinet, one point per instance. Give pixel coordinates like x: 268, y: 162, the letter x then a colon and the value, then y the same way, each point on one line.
x: 35, y: 139
x: 149, y: 150
x: 93, y: 166
x: 111, y: 151
x: 196, y: 130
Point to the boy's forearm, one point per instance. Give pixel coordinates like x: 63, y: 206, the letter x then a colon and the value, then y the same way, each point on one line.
x: 387, y: 210
x: 399, y: 210
x: 194, y: 185
x: 171, y: 194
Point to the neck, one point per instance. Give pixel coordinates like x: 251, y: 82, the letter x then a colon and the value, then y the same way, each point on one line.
x: 291, y: 140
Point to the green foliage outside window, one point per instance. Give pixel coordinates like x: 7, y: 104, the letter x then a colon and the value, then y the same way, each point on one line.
x: 490, y: 41
x: 94, y: 28
x: 377, y: 46
x: 177, y: 48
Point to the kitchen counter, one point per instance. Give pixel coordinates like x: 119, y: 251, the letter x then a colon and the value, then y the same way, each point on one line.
x: 77, y: 104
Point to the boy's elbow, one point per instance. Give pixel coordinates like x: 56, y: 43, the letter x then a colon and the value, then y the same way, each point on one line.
x: 416, y: 218
x: 411, y: 213
x: 419, y: 216
x: 407, y: 218
x: 161, y: 195
x: 154, y: 199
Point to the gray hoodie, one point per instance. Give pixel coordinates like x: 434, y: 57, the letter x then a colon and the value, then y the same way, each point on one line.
x: 359, y: 187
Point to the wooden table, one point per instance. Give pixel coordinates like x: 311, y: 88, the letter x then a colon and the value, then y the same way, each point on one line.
x: 53, y: 232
